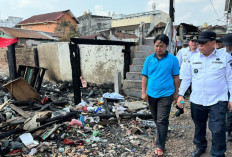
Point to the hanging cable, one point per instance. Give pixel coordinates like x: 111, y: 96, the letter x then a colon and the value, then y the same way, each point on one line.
x: 214, y: 9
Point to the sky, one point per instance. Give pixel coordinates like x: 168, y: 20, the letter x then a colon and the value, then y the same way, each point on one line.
x: 195, y: 12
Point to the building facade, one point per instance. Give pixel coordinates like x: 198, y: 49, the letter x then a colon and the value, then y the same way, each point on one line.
x: 93, y: 24
x: 47, y: 22
x: 131, y: 23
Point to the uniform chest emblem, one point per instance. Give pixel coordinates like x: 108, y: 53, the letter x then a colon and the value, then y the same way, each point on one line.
x: 218, y: 59
x: 195, y: 71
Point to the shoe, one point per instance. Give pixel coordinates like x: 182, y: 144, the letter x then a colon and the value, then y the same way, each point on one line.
x: 197, y: 152
x: 228, y: 136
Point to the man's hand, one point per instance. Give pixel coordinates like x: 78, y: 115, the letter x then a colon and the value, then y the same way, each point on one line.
x: 230, y: 106
x: 144, y: 97
x: 180, y: 98
x: 175, y: 97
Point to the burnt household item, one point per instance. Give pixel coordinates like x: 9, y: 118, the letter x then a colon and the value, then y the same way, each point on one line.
x: 33, y: 75
x: 21, y: 90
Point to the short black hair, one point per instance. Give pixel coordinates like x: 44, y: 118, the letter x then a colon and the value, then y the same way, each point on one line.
x: 162, y: 37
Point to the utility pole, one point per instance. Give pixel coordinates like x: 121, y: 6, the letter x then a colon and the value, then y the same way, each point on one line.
x: 171, y: 15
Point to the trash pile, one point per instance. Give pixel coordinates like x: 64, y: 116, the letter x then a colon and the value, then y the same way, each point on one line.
x: 48, y: 123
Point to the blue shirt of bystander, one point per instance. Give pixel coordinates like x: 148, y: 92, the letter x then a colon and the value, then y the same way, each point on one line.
x: 160, y: 74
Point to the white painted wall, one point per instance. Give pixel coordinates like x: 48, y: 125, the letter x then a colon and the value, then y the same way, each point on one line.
x: 98, y: 63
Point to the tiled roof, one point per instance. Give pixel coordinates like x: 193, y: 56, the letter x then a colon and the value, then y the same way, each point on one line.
x: 125, y: 35
x: 49, y: 17
x: 22, y: 33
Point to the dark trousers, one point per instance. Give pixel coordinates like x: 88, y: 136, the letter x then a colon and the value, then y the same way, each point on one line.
x: 229, y: 122
x: 217, y: 115
x: 160, y: 109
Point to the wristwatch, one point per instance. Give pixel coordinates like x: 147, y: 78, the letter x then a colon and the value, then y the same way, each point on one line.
x: 181, y: 95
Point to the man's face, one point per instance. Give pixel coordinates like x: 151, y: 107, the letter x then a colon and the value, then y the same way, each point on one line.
x: 160, y: 48
x: 193, y: 45
x: 206, y: 47
x: 218, y: 45
x: 228, y: 49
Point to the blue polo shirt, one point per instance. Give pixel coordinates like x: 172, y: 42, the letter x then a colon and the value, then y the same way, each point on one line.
x: 160, y: 74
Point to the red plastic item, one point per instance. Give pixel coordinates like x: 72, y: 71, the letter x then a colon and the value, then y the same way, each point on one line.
x: 84, y: 108
x: 68, y: 142
x: 15, y: 151
x: 45, y: 100
x: 75, y: 122
x: 135, y: 122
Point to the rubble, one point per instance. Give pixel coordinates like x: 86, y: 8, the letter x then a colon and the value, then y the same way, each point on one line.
x: 55, y: 126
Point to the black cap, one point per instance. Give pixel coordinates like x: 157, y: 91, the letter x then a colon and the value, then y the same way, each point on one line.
x: 218, y: 40
x: 206, y: 36
x: 193, y: 38
x: 227, y: 39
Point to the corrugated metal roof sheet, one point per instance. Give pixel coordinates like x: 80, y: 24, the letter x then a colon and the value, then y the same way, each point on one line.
x: 93, y: 36
x: 22, y: 33
x: 49, y: 17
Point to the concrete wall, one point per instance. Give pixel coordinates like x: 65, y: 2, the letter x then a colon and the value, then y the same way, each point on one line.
x: 98, y: 63
x: 49, y: 58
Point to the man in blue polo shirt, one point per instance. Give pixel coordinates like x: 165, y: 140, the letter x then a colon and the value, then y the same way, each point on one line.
x: 160, y: 84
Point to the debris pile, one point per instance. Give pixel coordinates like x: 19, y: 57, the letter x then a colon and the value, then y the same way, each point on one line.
x: 48, y: 122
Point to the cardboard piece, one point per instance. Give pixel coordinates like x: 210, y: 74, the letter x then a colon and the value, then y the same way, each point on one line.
x: 21, y: 90
x: 28, y: 140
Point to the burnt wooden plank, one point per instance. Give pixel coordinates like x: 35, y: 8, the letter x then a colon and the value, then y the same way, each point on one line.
x: 21, y: 90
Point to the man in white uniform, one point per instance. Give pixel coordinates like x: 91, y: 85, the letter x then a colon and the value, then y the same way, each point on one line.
x: 227, y: 42
x: 210, y: 73
x: 184, y: 55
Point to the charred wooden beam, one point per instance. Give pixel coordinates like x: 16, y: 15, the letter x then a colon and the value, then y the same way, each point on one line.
x: 36, y: 57
x: 127, y: 60
x: 12, y: 61
x: 11, y: 132
x: 76, y: 71
x: 100, y: 42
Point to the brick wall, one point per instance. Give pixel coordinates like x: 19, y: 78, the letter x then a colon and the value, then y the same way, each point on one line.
x: 24, y: 56
x: 3, y: 62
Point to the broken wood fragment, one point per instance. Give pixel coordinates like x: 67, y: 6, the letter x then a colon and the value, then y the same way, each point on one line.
x: 3, y: 105
x: 25, y: 114
x: 21, y: 90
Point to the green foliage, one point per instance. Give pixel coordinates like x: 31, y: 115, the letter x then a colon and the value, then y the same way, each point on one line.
x: 66, y: 30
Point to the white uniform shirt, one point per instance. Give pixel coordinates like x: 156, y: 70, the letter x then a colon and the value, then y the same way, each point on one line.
x: 211, y: 78
x: 224, y: 49
x: 180, y: 53
x: 183, y: 56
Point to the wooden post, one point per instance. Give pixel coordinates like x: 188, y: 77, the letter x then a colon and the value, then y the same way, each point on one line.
x: 12, y: 61
x: 127, y: 58
x: 36, y: 57
x: 76, y: 71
